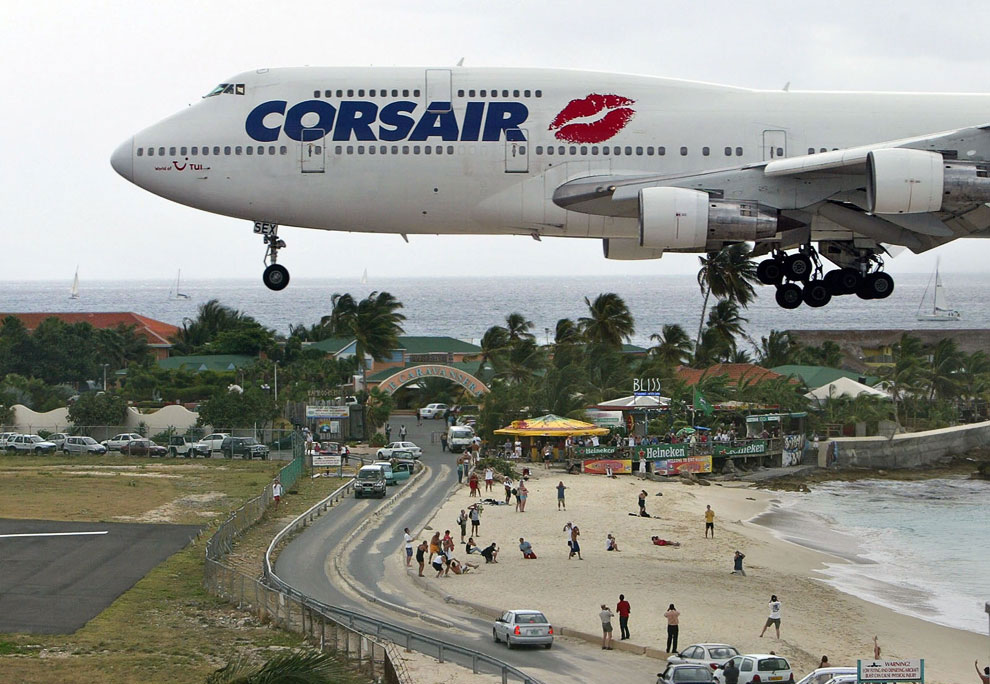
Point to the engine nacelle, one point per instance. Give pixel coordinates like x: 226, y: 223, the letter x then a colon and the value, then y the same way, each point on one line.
x: 688, y: 220
x: 966, y: 183
x: 904, y: 181
x: 628, y: 250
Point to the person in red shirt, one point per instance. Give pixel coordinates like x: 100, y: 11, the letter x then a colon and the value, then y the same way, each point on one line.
x: 622, y: 608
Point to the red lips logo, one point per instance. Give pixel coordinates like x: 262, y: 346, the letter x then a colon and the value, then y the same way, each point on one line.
x: 617, y: 113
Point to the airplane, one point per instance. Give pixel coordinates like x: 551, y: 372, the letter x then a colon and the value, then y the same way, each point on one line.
x: 647, y: 165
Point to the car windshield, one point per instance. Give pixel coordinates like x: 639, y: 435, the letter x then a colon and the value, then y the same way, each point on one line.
x: 88, y: 440
x: 369, y: 473
x: 692, y: 674
x: 35, y: 439
x: 530, y: 619
x: 465, y: 432
x: 772, y: 664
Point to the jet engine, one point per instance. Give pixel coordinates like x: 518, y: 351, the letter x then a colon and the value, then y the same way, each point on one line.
x: 688, y: 220
x: 903, y: 181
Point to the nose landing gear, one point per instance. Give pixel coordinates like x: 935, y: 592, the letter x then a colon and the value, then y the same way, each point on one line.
x: 275, y: 276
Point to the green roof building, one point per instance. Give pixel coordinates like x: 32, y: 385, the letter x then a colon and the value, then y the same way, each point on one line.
x: 819, y: 376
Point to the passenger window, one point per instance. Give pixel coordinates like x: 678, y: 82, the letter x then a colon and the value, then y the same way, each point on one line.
x: 195, y: 151
x: 550, y: 149
x: 328, y: 93
x: 525, y: 93
x: 350, y: 92
x: 649, y: 151
x: 171, y: 151
x: 395, y: 92
x: 628, y: 151
x: 371, y: 149
x: 439, y: 149
x: 316, y: 93
x: 739, y: 151
x: 539, y: 93
x: 427, y: 149
x: 249, y: 150
x: 416, y: 92
x: 318, y: 149
x: 450, y: 149
x: 283, y: 150
x: 460, y: 93
x: 261, y: 149
x: 395, y: 149
x: 405, y: 149
x: 226, y: 150
x: 161, y: 151
x: 494, y: 93
x: 415, y: 149
x: 584, y: 149
x: 239, y: 149
x: 216, y: 150
x: 339, y: 149
x: 471, y: 93
x: 350, y: 149
x: 811, y: 150
x: 183, y: 151
x: 483, y: 93
x: 360, y: 92
x: 360, y: 149
x: 405, y: 93
x: 539, y: 150
x: 594, y: 149
x: 515, y: 93
x: 371, y: 93
x: 661, y: 151
x: 728, y: 151
x: 140, y: 151
x: 340, y: 93
x: 271, y: 149
x: 780, y: 151
x: 705, y: 151
x: 505, y: 93
x: 683, y: 151
x: 560, y: 149
x: 639, y: 151
x: 573, y: 149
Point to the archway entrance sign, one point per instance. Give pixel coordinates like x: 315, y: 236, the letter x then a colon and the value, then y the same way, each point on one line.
x: 404, y: 376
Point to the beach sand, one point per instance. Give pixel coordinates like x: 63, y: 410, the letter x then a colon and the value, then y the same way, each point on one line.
x: 714, y: 605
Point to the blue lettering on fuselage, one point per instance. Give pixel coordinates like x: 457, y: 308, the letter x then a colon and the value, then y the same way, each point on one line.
x: 354, y: 119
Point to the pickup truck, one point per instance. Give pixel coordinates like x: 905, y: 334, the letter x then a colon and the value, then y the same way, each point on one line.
x: 211, y: 442
x: 185, y: 447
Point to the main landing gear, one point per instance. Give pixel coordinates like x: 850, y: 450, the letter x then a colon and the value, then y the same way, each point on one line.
x: 276, y: 276
x: 800, y: 277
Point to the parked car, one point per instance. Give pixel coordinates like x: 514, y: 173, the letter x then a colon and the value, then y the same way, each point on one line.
x: 211, y: 442
x: 433, y: 411
x: 143, y: 447
x: 29, y: 443
x: 117, y: 441
x: 6, y: 437
x: 386, y: 451
x: 685, y: 673
x: 389, y: 473
x: 183, y: 446
x: 245, y: 447
x: 712, y: 655
x: 370, y: 481
x: 825, y: 675
x: 58, y: 439
x: 518, y: 627
x: 759, y: 667
x: 402, y: 467
x: 82, y: 445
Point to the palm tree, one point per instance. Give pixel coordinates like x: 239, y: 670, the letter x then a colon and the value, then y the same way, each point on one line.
x: 724, y: 324
x: 727, y: 274
x: 494, y: 345
x: 311, y: 667
x: 518, y: 327
x: 607, y: 374
x: 343, y: 311
x: 673, y: 345
x: 904, y: 377
x: 776, y: 350
x: 608, y: 322
x: 942, y: 373
x: 566, y: 332
x: 376, y: 326
x: 524, y: 360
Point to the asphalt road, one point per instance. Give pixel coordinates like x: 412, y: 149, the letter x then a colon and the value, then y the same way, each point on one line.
x: 57, y: 576
x: 304, y: 564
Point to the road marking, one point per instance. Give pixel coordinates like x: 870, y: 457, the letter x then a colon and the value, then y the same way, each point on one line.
x: 52, y: 534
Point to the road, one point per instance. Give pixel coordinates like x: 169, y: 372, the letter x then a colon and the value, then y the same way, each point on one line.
x: 306, y: 564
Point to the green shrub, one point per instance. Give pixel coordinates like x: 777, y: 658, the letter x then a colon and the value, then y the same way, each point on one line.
x: 377, y: 440
x: 499, y: 465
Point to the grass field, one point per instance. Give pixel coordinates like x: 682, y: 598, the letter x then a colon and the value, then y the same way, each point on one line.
x: 166, y: 628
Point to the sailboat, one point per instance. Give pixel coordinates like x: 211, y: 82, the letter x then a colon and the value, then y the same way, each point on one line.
x: 939, y: 307
x: 364, y: 277
x: 74, y: 292
x: 178, y: 293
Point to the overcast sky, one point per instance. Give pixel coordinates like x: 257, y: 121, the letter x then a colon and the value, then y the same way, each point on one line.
x: 81, y: 77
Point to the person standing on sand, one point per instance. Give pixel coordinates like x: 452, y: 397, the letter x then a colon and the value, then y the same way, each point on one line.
x: 523, y: 494
x: 606, y: 617
x: 709, y: 521
x: 475, y: 516
x: 642, y: 466
x: 421, y: 556
x: 575, y: 546
x: 560, y: 496
x: 462, y: 520
x: 473, y: 484
x: 507, y: 483
x: 774, y: 618
x: 672, y: 616
x: 984, y: 676
x: 623, y: 609
x: 489, y: 478
x: 409, y: 546
x: 737, y: 568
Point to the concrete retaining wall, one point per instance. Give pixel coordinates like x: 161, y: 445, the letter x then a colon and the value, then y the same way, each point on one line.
x: 907, y: 450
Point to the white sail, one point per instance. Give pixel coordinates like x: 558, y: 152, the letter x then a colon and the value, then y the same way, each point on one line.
x: 74, y: 292
x: 940, y: 310
x: 178, y: 293
x: 364, y: 277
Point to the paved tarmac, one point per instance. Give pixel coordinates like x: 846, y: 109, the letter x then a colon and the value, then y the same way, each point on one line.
x: 57, y: 576
x: 303, y: 564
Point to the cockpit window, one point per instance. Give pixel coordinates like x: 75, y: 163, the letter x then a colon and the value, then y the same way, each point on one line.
x: 227, y: 89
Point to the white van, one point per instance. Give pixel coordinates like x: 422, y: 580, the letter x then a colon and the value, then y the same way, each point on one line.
x: 459, y: 438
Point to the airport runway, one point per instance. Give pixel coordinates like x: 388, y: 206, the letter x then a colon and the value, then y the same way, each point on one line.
x: 57, y: 576
x: 303, y: 564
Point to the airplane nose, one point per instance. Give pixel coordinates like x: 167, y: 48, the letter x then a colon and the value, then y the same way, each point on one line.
x: 122, y: 159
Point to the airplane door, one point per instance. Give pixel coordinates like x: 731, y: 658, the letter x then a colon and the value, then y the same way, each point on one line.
x: 313, y: 152
x: 438, y: 90
x: 774, y: 145
x: 516, y: 151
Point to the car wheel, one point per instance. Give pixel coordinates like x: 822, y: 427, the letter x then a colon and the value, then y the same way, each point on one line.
x: 494, y: 636
x: 547, y: 646
x: 174, y: 453
x: 508, y: 641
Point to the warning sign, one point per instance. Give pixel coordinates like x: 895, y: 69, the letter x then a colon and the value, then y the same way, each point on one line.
x: 879, y: 671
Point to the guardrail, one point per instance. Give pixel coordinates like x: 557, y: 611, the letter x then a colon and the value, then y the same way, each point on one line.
x: 479, y: 663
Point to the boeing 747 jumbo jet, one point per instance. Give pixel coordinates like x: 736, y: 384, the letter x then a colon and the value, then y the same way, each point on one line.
x: 646, y: 165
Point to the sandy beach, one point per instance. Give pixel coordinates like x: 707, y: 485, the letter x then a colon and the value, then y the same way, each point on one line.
x: 714, y: 605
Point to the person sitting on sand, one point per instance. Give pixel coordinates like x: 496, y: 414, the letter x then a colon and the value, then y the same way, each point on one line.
x: 490, y: 553
x: 527, y: 549
x: 459, y: 568
x: 471, y: 547
x: 664, y: 542
x: 611, y: 544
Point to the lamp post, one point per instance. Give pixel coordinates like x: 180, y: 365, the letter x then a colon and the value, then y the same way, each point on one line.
x: 105, y: 376
x: 276, y: 382
x: 546, y: 331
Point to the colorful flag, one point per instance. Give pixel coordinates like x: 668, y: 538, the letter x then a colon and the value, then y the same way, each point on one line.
x: 701, y: 404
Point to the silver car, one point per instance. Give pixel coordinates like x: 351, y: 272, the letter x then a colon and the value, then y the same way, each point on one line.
x: 518, y: 627
x: 82, y: 445
x: 825, y: 675
x: 712, y: 655
x: 685, y: 673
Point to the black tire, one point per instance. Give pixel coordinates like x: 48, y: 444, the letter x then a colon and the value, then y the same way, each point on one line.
x: 881, y: 284
x: 797, y: 267
x: 494, y: 635
x: 863, y: 290
x: 547, y: 646
x: 833, y: 282
x: 276, y: 277
x: 849, y: 278
x: 770, y: 271
x: 816, y: 294
x: 508, y: 641
x: 173, y: 452
x: 789, y: 296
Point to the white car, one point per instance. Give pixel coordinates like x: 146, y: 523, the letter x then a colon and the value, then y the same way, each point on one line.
x: 58, y: 439
x: 433, y: 411
x: 517, y: 627
x: 30, y: 443
x: 211, y: 442
x: 826, y: 675
x: 82, y: 445
x: 6, y: 437
x: 712, y: 655
x: 117, y: 441
x: 759, y: 667
x: 386, y: 451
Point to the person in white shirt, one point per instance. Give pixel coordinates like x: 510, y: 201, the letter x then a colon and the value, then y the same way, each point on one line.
x: 277, y: 492
x: 774, y: 618
x: 517, y: 449
x: 438, y: 562
x: 409, y: 546
x: 489, y: 479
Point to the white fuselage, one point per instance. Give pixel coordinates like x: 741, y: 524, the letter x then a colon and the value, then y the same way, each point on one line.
x: 376, y: 150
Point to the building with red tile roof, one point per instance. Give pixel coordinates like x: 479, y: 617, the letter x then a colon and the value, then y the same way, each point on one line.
x: 157, y: 333
x: 735, y: 372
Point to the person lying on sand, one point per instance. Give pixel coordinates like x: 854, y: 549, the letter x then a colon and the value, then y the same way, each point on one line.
x: 664, y: 542
x: 459, y: 568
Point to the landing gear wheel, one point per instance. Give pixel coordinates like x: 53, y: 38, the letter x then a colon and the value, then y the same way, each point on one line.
x: 789, y: 296
x: 770, y: 271
x: 849, y: 278
x: 833, y: 284
x: 276, y: 277
x: 877, y: 285
x: 798, y: 267
x: 816, y: 293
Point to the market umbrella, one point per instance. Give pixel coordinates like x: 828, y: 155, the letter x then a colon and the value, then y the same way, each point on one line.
x: 634, y: 403
x: 551, y: 425
x: 685, y: 431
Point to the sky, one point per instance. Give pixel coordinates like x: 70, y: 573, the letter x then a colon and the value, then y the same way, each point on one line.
x: 81, y: 77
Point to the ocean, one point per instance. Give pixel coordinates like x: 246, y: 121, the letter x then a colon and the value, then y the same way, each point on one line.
x: 919, y: 548
x: 465, y: 307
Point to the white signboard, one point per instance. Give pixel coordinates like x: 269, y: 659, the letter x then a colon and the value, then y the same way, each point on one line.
x: 890, y: 671
x: 326, y: 460
x: 328, y: 411
x: 605, y: 418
